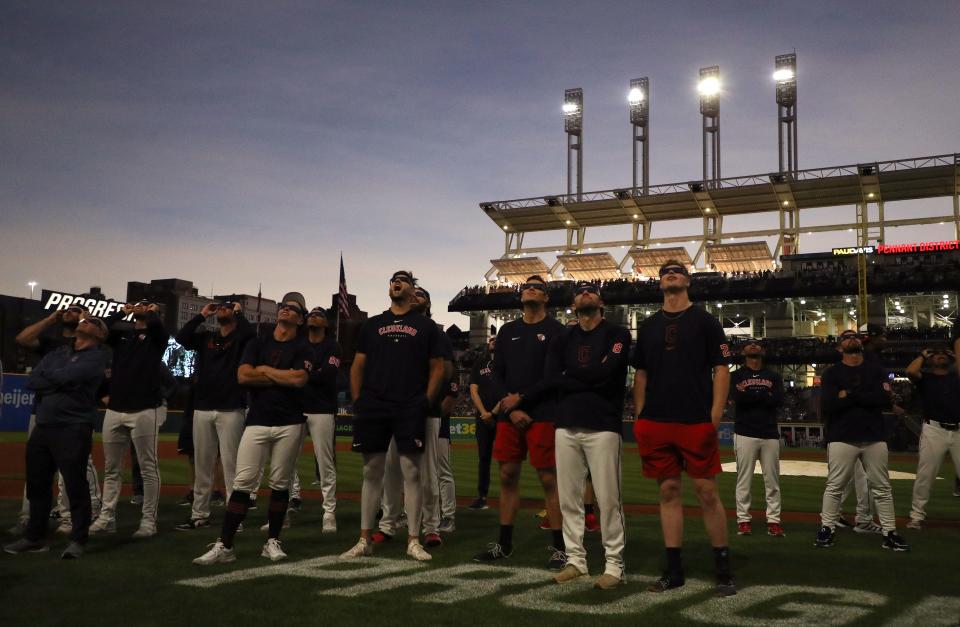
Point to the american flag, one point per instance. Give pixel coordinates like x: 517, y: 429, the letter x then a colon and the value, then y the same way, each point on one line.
x: 343, y: 306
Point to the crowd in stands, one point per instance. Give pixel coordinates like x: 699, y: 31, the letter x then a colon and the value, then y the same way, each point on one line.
x: 824, y: 277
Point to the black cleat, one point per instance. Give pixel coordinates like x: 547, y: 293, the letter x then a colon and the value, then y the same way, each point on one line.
x: 666, y: 582
x: 824, y: 538
x: 894, y: 542
x: 193, y: 523
x: 295, y: 505
x: 493, y: 553
x: 725, y: 586
x: 558, y: 559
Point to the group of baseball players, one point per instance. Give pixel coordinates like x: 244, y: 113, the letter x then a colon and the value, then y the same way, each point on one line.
x: 554, y: 392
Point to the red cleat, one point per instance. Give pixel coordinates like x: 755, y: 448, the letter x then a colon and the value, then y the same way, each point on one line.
x: 544, y: 524
x: 775, y: 530
x: 591, y: 523
x: 380, y: 537
x: 744, y: 529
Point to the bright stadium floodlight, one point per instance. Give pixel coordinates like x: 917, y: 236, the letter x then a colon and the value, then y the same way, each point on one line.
x: 709, y: 86
x: 639, y: 99
x: 573, y: 125
x: 785, y: 77
x: 709, y: 90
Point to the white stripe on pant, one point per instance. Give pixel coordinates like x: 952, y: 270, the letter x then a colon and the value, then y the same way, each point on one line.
x: 429, y: 476
x: 118, y: 430
x: 448, y: 489
x: 935, y: 441
x: 579, y: 451
x: 842, y: 457
x: 749, y: 450
x: 214, y: 431
x: 281, y: 444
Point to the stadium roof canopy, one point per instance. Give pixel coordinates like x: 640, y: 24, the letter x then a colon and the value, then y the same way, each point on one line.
x: 740, y: 257
x: 905, y: 179
x: 517, y: 269
x: 647, y: 261
x: 589, y: 267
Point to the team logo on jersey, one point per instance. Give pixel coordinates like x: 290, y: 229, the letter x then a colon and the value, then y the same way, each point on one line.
x: 454, y: 387
x: 333, y: 361
x: 142, y: 337
x: 74, y: 359
x: 617, y: 348
x: 583, y: 355
x: 670, y: 337
x: 397, y: 329
x: 417, y: 443
x: 541, y: 337
x: 886, y: 387
x: 485, y: 371
x: 725, y: 350
x: 307, y: 365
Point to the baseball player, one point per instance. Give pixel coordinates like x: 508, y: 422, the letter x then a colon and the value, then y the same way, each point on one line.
x: 587, y: 366
x: 66, y: 381
x: 218, y: 400
x: 430, y: 460
x: 133, y: 413
x: 518, y: 364
x: 43, y: 337
x: 320, y: 405
x: 679, y: 389
x: 758, y: 394
x: 486, y: 400
x: 274, y: 370
x: 940, y: 393
x: 853, y: 395
x: 395, y: 378
x: 445, y: 479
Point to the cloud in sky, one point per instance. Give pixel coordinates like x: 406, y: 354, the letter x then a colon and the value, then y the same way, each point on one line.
x: 238, y: 143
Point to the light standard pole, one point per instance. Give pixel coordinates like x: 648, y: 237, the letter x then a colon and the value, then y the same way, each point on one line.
x: 32, y: 284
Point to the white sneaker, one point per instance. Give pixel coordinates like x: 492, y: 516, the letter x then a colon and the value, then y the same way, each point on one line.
x: 146, y: 530
x: 286, y: 524
x: 447, y: 525
x: 363, y: 548
x: 329, y: 523
x: 272, y: 550
x: 102, y: 525
x: 417, y: 552
x: 868, y: 527
x: 218, y: 554
x: 65, y: 526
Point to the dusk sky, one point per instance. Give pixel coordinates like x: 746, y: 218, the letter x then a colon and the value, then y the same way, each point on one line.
x: 237, y: 143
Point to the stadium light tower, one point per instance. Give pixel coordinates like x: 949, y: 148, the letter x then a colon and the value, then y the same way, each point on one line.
x: 639, y: 99
x: 785, y: 76
x: 573, y: 125
x: 709, y: 89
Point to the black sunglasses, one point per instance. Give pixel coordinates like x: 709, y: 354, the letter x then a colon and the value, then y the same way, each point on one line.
x: 317, y: 314
x: 533, y: 286
x: 295, y: 308
x: 673, y: 270
x: 402, y: 278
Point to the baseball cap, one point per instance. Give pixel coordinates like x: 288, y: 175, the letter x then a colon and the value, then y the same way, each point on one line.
x: 847, y: 335
x: 296, y: 297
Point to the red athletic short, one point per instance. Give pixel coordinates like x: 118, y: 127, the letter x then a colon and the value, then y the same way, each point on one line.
x: 669, y: 448
x: 511, y: 444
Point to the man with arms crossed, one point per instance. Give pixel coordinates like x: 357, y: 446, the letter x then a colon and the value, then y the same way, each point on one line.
x: 218, y: 401
x: 43, y: 337
x: 66, y: 381
x: 395, y: 377
x: 853, y: 395
x: 757, y: 394
x: 587, y: 365
x: 133, y: 412
x: 518, y: 365
x: 680, y: 388
x: 274, y: 369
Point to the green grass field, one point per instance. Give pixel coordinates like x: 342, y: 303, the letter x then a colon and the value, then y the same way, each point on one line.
x: 782, y: 581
